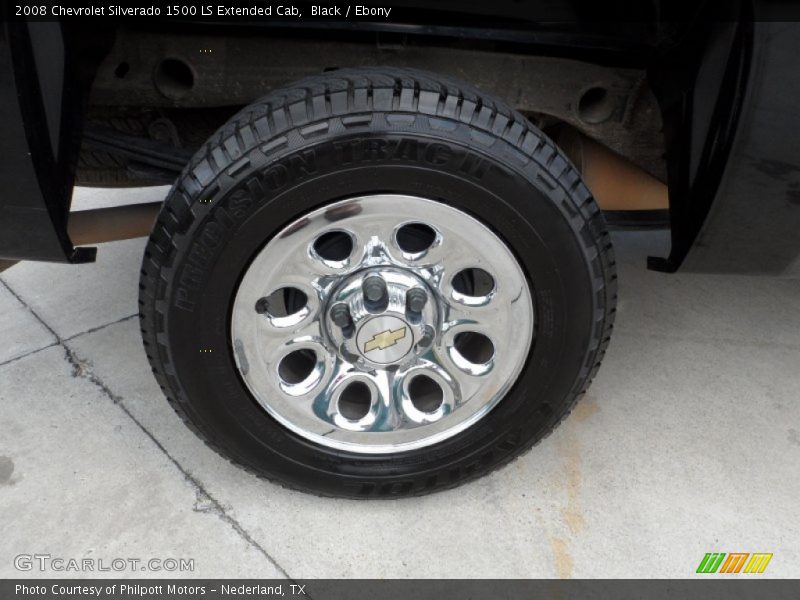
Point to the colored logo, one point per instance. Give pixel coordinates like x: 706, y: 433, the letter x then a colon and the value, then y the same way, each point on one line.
x: 385, y: 339
x: 734, y: 562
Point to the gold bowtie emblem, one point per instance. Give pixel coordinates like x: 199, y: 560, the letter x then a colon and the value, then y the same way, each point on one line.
x: 385, y: 339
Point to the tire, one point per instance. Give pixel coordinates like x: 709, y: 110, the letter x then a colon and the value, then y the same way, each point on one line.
x: 349, y: 133
x: 98, y: 168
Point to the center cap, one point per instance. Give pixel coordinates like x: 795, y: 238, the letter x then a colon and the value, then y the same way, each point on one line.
x: 381, y: 317
x: 384, y: 339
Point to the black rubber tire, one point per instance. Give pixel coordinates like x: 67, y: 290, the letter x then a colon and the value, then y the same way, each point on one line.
x: 348, y: 133
x: 99, y: 168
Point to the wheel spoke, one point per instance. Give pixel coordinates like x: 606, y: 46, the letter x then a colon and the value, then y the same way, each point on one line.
x: 459, y: 318
x: 304, y: 264
x: 389, y: 417
x: 276, y: 337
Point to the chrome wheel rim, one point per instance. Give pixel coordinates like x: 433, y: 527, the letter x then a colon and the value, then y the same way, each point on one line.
x: 382, y: 324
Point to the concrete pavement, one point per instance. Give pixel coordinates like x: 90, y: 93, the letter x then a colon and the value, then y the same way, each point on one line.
x: 688, y: 442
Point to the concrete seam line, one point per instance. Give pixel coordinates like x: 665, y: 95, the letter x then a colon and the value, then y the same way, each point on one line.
x: 33, y: 312
x: 101, y: 327
x: 80, y: 370
x: 27, y: 354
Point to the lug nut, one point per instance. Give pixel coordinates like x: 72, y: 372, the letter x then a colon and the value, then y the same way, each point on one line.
x: 374, y: 288
x: 340, y: 315
x: 426, y: 339
x: 416, y: 299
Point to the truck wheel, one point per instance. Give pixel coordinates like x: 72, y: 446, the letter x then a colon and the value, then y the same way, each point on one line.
x: 376, y: 283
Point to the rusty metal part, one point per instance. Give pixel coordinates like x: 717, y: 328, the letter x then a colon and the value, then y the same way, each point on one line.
x: 615, y: 182
x: 112, y: 224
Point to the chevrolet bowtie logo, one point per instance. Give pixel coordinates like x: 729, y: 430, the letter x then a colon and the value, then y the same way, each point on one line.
x: 385, y: 339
